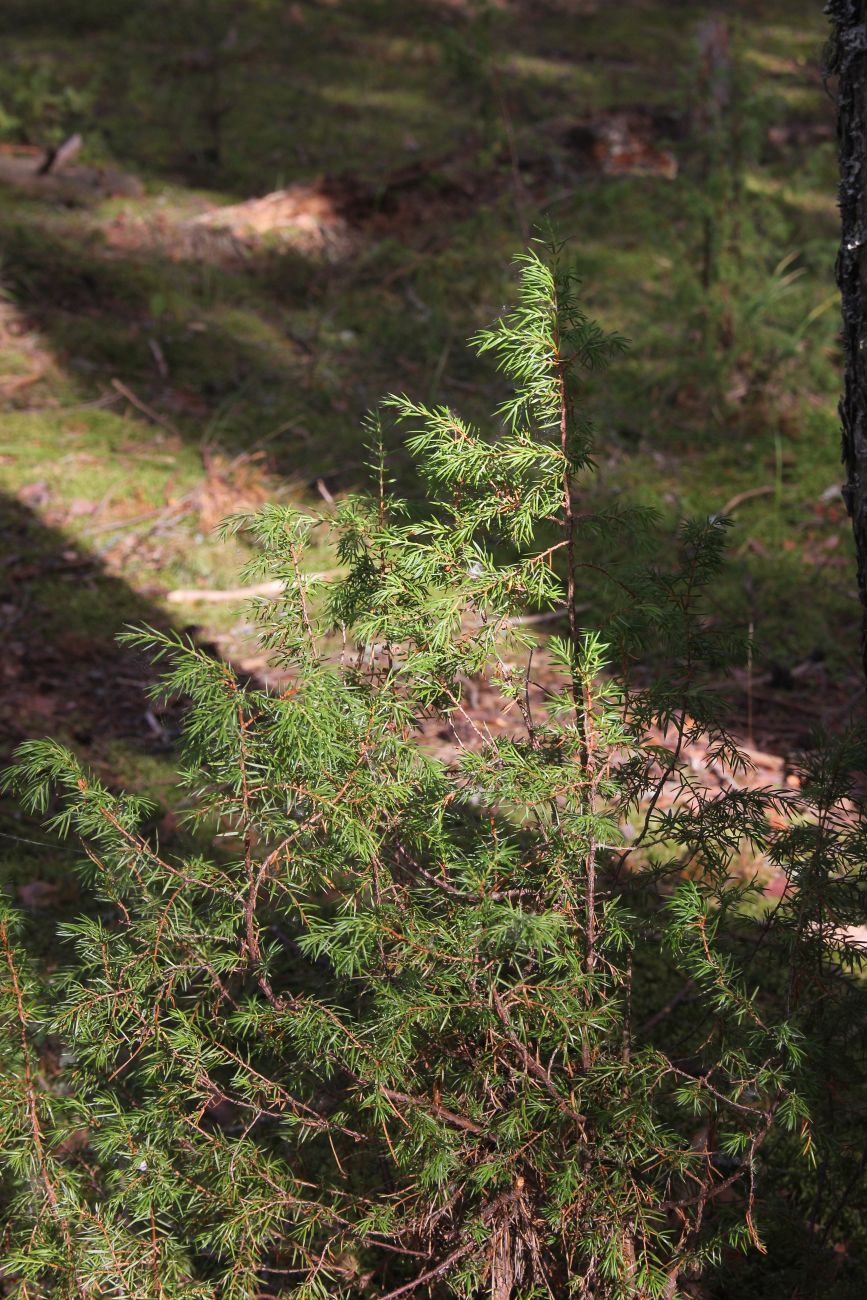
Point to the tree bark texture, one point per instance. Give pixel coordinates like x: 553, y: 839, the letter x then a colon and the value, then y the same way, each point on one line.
x: 847, y: 61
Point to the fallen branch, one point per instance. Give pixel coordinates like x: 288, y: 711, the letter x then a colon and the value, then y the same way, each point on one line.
x: 547, y: 616
x: 144, y: 408
x: 173, y: 513
x: 740, y: 497
x: 208, y: 596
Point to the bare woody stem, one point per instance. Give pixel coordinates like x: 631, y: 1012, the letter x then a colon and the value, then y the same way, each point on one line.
x: 580, y: 692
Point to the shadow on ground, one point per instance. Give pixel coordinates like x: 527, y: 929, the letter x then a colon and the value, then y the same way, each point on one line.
x: 62, y: 668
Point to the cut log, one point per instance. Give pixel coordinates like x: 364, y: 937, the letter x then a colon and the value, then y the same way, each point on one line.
x: 72, y: 184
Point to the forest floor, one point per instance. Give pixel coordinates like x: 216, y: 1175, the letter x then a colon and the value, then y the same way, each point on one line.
x: 174, y: 349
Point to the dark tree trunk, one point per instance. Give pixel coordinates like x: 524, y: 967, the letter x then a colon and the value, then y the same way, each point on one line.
x: 848, y: 63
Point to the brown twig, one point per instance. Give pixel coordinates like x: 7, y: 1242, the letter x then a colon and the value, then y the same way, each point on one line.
x: 740, y: 497
x: 533, y: 1066
x: 152, y: 415
x: 432, y: 1273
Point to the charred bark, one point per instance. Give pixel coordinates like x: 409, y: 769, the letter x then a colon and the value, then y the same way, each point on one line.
x: 847, y: 62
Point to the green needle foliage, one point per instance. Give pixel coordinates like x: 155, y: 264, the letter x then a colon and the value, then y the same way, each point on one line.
x: 497, y: 1018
